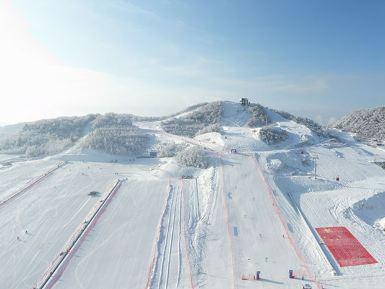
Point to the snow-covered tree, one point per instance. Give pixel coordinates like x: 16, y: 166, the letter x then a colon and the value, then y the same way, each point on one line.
x: 127, y: 141
x: 169, y: 150
x: 194, y: 157
x: 259, y: 117
x: 112, y: 120
x: 272, y: 135
x: 47, y: 137
x: 368, y: 124
x: 192, y: 123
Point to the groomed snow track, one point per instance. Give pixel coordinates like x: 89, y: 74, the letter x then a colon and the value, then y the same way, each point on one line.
x: 30, y: 185
x: 165, y: 243
x: 59, y: 264
x: 171, y: 266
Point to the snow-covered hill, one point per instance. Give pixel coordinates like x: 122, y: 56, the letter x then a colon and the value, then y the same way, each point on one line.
x: 132, y: 202
x: 367, y: 124
x: 119, y: 134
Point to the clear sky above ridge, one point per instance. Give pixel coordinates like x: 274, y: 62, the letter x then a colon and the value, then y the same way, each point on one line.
x: 318, y: 58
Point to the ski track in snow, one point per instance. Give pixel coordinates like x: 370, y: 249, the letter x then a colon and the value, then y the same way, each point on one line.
x: 229, y: 235
x: 169, y: 254
x: 179, y: 240
x: 170, y: 244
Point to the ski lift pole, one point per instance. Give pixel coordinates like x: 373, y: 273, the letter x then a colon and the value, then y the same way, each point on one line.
x: 315, y: 158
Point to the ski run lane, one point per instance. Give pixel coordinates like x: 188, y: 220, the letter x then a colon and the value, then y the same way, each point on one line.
x: 30, y: 185
x: 60, y: 263
x: 187, y: 239
x: 35, y: 226
x: 116, y: 253
x: 21, y: 174
x: 171, y: 265
x: 260, y: 240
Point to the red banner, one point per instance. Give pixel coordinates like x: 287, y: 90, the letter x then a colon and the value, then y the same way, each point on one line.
x: 346, y: 249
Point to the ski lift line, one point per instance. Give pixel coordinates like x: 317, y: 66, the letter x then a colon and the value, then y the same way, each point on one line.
x: 31, y: 184
x: 59, y: 264
x: 227, y: 220
x: 283, y: 223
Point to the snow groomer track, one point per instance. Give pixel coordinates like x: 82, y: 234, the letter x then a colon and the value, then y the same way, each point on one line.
x: 59, y: 264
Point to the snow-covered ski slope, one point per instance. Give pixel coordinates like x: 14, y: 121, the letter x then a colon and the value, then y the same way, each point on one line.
x: 254, y: 210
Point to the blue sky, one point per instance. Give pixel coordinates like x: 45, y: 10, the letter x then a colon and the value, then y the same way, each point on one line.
x: 315, y: 58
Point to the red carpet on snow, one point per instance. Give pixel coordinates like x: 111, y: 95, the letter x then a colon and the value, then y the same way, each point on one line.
x: 346, y: 249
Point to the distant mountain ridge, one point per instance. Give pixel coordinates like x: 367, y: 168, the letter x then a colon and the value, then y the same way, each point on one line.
x: 367, y: 124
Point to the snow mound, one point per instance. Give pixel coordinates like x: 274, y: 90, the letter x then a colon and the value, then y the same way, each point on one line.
x: 211, y: 138
x: 290, y: 162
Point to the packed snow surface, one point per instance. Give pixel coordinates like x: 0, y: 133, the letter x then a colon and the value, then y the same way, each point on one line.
x: 206, y: 210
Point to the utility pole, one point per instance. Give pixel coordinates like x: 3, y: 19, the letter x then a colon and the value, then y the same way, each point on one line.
x: 265, y: 117
x: 315, y: 158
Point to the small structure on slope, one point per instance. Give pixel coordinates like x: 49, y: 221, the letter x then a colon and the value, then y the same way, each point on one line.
x: 244, y: 101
